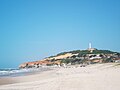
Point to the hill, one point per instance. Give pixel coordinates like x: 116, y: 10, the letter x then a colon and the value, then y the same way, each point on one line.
x: 88, y: 56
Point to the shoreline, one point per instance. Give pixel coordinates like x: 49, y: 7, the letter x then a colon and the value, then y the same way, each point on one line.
x: 11, y: 79
x: 22, y: 72
x: 91, y: 77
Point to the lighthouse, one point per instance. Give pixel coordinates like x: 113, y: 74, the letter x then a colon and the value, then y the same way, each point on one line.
x: 90, y: 48
x: 90, y: 45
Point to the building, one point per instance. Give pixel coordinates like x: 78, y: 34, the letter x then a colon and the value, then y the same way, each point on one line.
x: 90, y: 48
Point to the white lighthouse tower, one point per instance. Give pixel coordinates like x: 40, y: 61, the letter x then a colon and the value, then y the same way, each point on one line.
x: 90, y: 45
x: 90, y: 48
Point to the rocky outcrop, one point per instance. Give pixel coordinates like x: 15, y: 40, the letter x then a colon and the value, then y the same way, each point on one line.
x: 33, y: 64
x: 37, y: 64
x: 23, y: 65
x: 56, y: 60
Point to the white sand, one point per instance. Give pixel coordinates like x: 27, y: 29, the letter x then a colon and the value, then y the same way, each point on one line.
x: 92, y: 77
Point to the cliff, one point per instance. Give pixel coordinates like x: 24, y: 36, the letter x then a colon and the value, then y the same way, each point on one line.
x: 55, y: 60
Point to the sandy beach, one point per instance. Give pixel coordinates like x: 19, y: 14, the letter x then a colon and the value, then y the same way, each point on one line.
x: 91, y: 77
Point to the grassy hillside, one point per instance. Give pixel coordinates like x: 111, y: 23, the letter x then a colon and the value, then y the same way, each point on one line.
x: 88, y: 52
x: 76, y: 57
x: 83, y: 53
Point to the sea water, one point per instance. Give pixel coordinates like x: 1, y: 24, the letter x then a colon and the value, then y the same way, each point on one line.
x: 18, y: 72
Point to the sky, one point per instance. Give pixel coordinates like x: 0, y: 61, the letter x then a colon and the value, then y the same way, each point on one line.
x: 31, y: 30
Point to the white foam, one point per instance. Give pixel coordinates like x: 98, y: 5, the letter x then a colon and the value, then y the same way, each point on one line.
x: 7, y: 72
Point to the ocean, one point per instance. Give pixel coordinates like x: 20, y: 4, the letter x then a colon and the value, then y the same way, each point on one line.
x: 10, y: 72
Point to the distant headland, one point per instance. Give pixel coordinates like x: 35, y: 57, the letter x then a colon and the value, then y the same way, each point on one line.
x: 88, y: 56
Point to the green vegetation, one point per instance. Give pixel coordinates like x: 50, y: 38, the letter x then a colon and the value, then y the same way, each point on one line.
x: 82, y: 56
x: 82, y: 52
x: 107, y: 60
x: 102, y: 52
x: 72, y: 61
x: 66, y: 61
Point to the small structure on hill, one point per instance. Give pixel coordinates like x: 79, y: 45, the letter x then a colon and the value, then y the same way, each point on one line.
x: 90, y: 48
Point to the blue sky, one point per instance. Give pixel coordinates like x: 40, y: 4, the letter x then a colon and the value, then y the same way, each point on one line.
x: 34, y: 29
